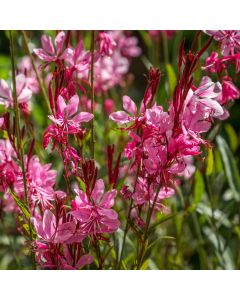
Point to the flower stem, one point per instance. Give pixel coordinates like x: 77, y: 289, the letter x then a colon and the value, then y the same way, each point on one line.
x: 149, y: 215
x: 127, y: 223
x: 19, y: 138
x: 92, y: 94
x: 40, y: 82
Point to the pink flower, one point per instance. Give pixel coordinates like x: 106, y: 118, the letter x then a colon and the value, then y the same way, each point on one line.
x: 48, y: 53
x: 25, y: 67
x: 49, y: 230
x: 128, y: 45
x: 94, y: 213
x: 109, y: 106
x: 106, y: 44
x: 145, y: 193
x: 202, y: 104
x: 126, y: 116
x: 24, y: 94
x: 67, y: 117
x: 229, y: 91
x: 40, y: 182
x: 229, y: 39
x: 78, y: 58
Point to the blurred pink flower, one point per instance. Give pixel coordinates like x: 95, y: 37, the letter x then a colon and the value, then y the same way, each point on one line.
x: 48, y: 53
x: 24, y: 94
x: 106, y: 44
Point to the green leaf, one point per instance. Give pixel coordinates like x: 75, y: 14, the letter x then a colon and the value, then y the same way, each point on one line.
x: 172, y: 79
x: 233, y: 139
x: 209, y: 169
x: 198, y: 191
x: 230, y: 167
x: 21, y: 205
x: 146, y: 38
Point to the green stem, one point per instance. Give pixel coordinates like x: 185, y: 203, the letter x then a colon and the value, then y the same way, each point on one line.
x: 19, y: 138
x: 127, y: 223
x: 40, y: 82
x: 149, y: 215
x: 92, y: 93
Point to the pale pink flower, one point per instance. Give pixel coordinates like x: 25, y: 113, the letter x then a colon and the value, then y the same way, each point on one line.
x: 106, y: 44
x: 229, y: 39
x: 78, y: 58
x: 25, y: 67
x: 201, y: 105
x: 128, y: 115
x: 24, y: 94
x: 48, y: 53
x: 94, y: 213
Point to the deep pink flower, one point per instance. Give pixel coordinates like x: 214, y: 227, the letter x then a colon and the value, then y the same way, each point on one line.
x: 95, y: 214
x: 67, y: 117
x: 49, y: 231
x: 145, y: 193
x: 229, y: 91
x: 40, y: 182
x: 109, y: 106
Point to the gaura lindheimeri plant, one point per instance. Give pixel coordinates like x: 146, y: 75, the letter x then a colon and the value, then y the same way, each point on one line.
x: 91, y: 188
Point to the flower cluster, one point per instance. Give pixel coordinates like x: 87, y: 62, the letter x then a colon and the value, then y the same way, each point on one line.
x: 73, y: 227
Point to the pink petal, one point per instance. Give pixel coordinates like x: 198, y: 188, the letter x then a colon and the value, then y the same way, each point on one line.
x: 61, y: 104
x: 65, y: 231
x: 98, y: 190
x: 38, y: 226
x: 72, y: 105
x: 84, y: 260
x: 67, y: 55
x: 82, y: 117
x: 108, y: 199
x: 217, y: 108
x: 129, y: 105
x: 82, y: 214
x: 109, y: 213
x: 120, y: 117
x: 47, y: 44
x: 4, y: 89
x: 81, y: 198
x: 20, y: 83
x: 43, y: 55
x: 1, y: 122
x: 49, y: 223
x: 59, y: 40
x: 25, y: 95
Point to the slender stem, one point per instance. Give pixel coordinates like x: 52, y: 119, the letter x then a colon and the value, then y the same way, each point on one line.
x: 149, y: 215
x: 92, y: 93
x: 19, y: 138
x: 40, y: 82
x: 128, y: 222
